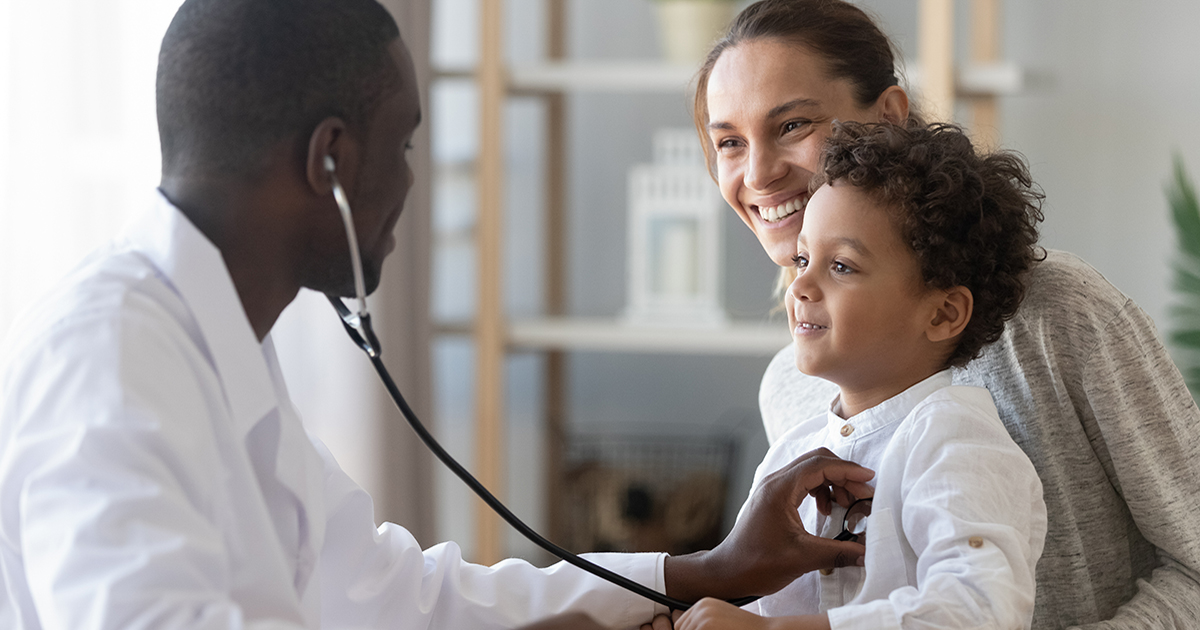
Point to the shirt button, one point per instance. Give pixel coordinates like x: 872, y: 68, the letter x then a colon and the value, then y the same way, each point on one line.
x: 847, y: 430
x: 826, y: 571
x: 975, y: 541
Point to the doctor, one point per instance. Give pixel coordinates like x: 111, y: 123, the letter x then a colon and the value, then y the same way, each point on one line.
x: 153, y: 472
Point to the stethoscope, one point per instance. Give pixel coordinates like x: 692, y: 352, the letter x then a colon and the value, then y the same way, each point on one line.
x: 358, y: 326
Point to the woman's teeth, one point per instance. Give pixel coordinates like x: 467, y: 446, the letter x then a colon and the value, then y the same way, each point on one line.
x: 776, y: 213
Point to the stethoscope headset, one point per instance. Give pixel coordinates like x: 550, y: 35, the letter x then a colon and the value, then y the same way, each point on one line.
x: 358, y: 325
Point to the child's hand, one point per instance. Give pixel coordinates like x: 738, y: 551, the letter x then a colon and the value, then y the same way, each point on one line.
x: 714, y: 614
x: 662, y: 622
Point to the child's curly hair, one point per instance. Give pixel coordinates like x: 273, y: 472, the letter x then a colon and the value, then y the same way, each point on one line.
x: 971, y: 219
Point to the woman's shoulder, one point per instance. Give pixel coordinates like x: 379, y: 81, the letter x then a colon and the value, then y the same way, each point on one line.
x: 1065, y: 283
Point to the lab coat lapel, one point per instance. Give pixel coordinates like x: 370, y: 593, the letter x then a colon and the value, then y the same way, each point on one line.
x: 197, y: 271
x: 249, y: 371
x: 300, y: 469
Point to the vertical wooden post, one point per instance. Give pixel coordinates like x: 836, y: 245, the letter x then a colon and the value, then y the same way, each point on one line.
x: 490, y: 436
x: 555, y: 280
x: 985, y: 48
x: 935, y: 50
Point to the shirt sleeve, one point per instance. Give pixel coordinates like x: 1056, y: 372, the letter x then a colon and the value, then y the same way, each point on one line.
x: 1149, y: 444
x: 974, y: 519
x: 380, y: 577
x: 105, y: 476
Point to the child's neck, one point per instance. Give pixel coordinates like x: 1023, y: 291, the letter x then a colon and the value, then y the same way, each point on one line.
x: 859, y: 397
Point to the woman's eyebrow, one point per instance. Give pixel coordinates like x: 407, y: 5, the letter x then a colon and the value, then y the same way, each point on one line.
x: 775, y: 112
x: 779, y: 110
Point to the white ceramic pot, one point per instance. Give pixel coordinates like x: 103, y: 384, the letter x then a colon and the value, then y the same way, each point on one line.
x: 689, y: 27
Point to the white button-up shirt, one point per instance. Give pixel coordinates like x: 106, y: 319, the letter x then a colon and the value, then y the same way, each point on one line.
x: 957, y: 522
x: 154, y: 474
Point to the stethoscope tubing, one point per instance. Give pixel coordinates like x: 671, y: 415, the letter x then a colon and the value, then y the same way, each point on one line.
x: 474, y: 484
x: 358, y: 326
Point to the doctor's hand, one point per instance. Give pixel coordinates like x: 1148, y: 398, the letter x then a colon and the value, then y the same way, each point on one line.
x: 769, y: 547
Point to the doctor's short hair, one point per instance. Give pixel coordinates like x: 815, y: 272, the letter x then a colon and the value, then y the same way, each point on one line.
x: 236, y: 77
x: 970, y: 218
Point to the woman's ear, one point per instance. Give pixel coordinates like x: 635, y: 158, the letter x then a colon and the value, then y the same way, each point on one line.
x: 951, y: 314
x: 892, y: 105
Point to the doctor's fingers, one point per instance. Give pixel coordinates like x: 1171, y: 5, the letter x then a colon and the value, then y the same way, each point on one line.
x: 827, y: 553
x: 815, y: 470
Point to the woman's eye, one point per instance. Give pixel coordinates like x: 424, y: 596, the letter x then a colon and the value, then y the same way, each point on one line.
x: 793, y: 125
x: 727, y: 143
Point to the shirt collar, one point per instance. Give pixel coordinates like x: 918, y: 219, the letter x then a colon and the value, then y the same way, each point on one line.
x: 891, y: 410
x: 196, y: 270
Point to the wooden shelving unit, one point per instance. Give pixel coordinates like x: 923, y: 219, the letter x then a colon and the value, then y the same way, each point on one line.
x: 941, y: 83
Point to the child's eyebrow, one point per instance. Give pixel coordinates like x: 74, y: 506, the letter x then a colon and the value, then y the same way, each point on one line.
x: 853, y: 243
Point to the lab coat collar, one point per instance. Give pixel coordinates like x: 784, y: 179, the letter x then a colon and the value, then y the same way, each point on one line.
x: 196, y: 270
x: 891, y: 410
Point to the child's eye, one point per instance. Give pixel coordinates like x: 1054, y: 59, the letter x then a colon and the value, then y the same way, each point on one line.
x: 841, y: 268
x: 800, y: 261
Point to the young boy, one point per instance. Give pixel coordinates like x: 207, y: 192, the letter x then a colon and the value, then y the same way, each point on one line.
x: 910, y: 259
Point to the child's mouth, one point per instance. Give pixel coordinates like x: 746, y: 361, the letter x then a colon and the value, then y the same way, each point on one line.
x: 804, y: 327
x: 775, y: 214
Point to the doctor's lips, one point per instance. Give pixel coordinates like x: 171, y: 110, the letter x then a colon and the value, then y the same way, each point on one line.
x: 774, y: 214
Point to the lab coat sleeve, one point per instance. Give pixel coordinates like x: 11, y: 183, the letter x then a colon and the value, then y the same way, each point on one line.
x: 105, y: 479
x: 379, y: 577
x: 976, y: 550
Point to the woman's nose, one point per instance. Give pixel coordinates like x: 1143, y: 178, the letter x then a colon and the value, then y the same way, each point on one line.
x: 764, y: 168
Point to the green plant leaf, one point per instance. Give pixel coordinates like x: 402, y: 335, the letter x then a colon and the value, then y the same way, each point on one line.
x: 1184, y: 335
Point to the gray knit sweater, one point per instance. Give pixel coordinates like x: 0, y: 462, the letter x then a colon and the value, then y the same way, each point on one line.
x: 1086, y: 389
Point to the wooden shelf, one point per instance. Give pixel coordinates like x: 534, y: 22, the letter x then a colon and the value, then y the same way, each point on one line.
x: 972, y: 79
x: 977, y: 79
x: 627, y: 76
x: 599, y: 76
x: 608, y: 335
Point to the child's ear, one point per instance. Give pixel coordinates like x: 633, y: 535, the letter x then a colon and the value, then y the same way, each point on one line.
x: 951, y: 314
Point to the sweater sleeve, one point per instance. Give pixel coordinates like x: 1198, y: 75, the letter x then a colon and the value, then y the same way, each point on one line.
x: 1149, y: 427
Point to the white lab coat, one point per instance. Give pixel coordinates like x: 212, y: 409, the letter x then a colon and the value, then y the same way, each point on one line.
x: 154, y: 474
x: 957, y: 522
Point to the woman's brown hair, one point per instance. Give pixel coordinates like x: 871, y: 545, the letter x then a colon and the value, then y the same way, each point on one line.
x: 842, y: 35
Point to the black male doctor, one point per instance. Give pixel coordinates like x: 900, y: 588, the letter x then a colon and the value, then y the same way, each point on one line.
x: 153, y: 472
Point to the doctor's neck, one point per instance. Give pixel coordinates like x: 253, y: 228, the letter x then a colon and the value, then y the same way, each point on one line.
x: 257, y: 226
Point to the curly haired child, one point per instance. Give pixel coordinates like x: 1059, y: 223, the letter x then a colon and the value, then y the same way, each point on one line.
x: 912, y: 256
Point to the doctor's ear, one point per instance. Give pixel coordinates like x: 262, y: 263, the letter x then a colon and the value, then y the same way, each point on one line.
x: 331, y: 151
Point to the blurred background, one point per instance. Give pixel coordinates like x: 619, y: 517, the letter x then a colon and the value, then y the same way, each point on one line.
x: 506, y: 310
